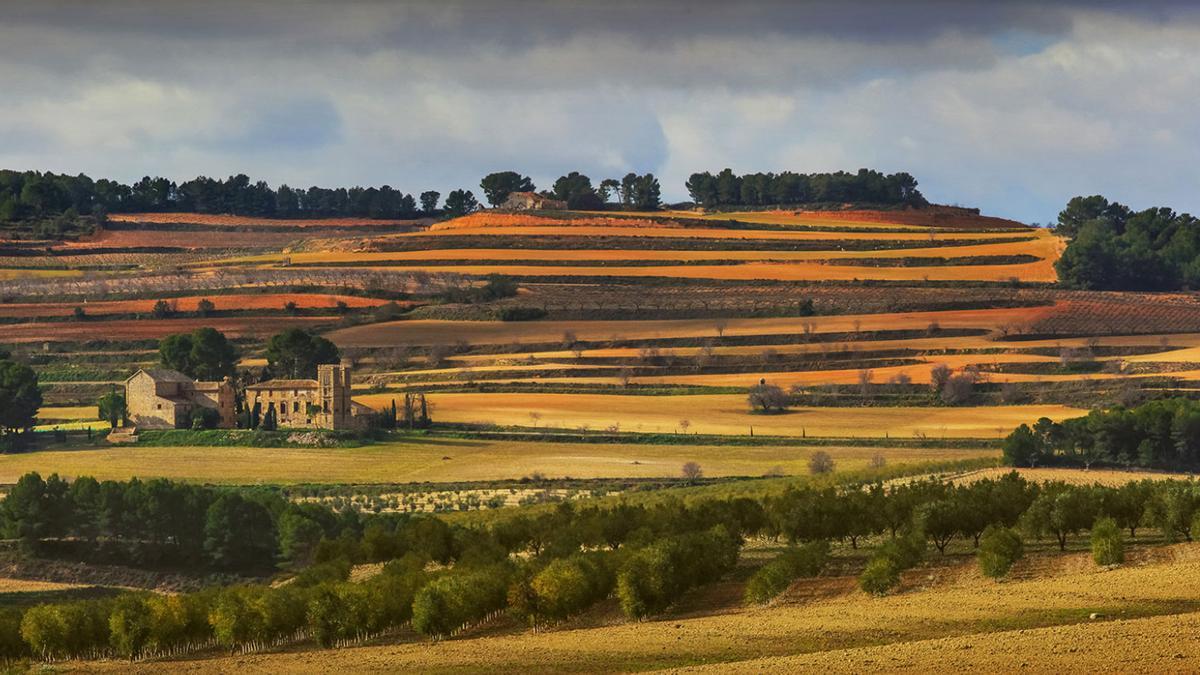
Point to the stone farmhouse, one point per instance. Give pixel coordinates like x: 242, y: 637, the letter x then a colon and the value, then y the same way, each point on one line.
x: 532, y: 201
x: 158, y: 398
x: 164, y: 399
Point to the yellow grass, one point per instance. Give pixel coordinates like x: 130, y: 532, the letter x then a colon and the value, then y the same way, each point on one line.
x: 83, y: 412
x: 446, y: 460
x: 727, y: 414
x: 9, y: 585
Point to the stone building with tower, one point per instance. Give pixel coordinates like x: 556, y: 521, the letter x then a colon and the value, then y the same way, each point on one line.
x: 323, y: 403
x: 165, y: 399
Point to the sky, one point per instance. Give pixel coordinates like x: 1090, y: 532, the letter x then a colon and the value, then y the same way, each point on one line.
x: 1012, y: 107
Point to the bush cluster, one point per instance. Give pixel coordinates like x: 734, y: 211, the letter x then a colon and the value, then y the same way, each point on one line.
x: 774, y: 578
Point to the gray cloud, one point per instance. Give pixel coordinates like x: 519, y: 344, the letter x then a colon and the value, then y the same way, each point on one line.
x: 1013, y: 106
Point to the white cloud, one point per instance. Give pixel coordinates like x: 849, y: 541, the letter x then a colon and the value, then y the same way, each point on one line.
x: 433, y: 98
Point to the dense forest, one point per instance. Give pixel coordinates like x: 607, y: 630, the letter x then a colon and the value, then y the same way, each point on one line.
x: 31, y: 195
x: 761, y: 189
x: 1112, y: 247
x: 1163, y: 434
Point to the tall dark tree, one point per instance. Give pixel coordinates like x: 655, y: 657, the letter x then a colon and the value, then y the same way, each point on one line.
x: 460, y: 203
x: 239, y: 533
x: 296, y: 353
x: 20, y: 397
x: 576, y: 190
x: 429, y: 200
x: 203, y: 354
x: 498, y: 186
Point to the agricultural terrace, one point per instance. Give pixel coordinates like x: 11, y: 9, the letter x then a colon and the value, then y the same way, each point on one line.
x: 879, y: 253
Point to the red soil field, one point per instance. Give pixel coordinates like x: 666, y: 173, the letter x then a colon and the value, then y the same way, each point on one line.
x: 248, y: 301
x: 240, y: 221
x: 500, y: 219
x: 134, y: 329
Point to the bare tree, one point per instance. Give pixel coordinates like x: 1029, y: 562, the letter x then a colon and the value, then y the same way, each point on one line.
x: 959, y: 388
x: 878, y: 461
x: 721, y: 325
x: 768, y: 398
x: 820, y: 463
x: 865, y: 376
x: 534, y: 418
x: 692, y: 472
x: 684, y: 425
x: 938, y: 376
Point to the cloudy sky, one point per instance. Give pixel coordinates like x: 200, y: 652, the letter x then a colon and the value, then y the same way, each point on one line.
x: 1009, y: 106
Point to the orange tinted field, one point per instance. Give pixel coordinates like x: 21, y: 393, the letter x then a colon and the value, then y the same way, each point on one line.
x: 1044, y: 247
x: 139, y: 329
x: 1041, y: 271
x: 236, y: 221
x: 187, y: 304
x: 494, y: 332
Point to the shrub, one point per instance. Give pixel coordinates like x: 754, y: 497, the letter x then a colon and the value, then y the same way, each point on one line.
x: 999, y: 548
x: 1108, y: 547
x: 820, y: 463
x: 774, y: 577
x: 881, y: 575
x: 520, y: 313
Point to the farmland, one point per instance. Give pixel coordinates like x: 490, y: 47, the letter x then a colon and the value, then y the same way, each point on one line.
x: 826, y: 623
x: 612, y: 361
x: 456, y: 460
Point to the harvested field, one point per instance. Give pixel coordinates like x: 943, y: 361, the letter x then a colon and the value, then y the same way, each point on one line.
x: 1041, y: 271
x: 231, y: 302
x: 141, y: 329
x: 242, y: 221
x: 703, y: 233
x: 492, y: 332
x: 726, y: 414
x: 1044, y: 248
x: 201, y: 239
x: 450, y: 460
x: 83, y: 412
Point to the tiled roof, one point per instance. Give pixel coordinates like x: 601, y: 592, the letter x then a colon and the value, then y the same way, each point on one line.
x: 166, y: 375
x: 284, y: 384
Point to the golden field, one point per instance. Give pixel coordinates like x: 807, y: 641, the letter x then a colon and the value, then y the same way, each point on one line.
x: 449, y: 460
x: 726, y: 414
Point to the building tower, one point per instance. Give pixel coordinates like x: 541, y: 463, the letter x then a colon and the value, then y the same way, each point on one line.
x: 333, y: 395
